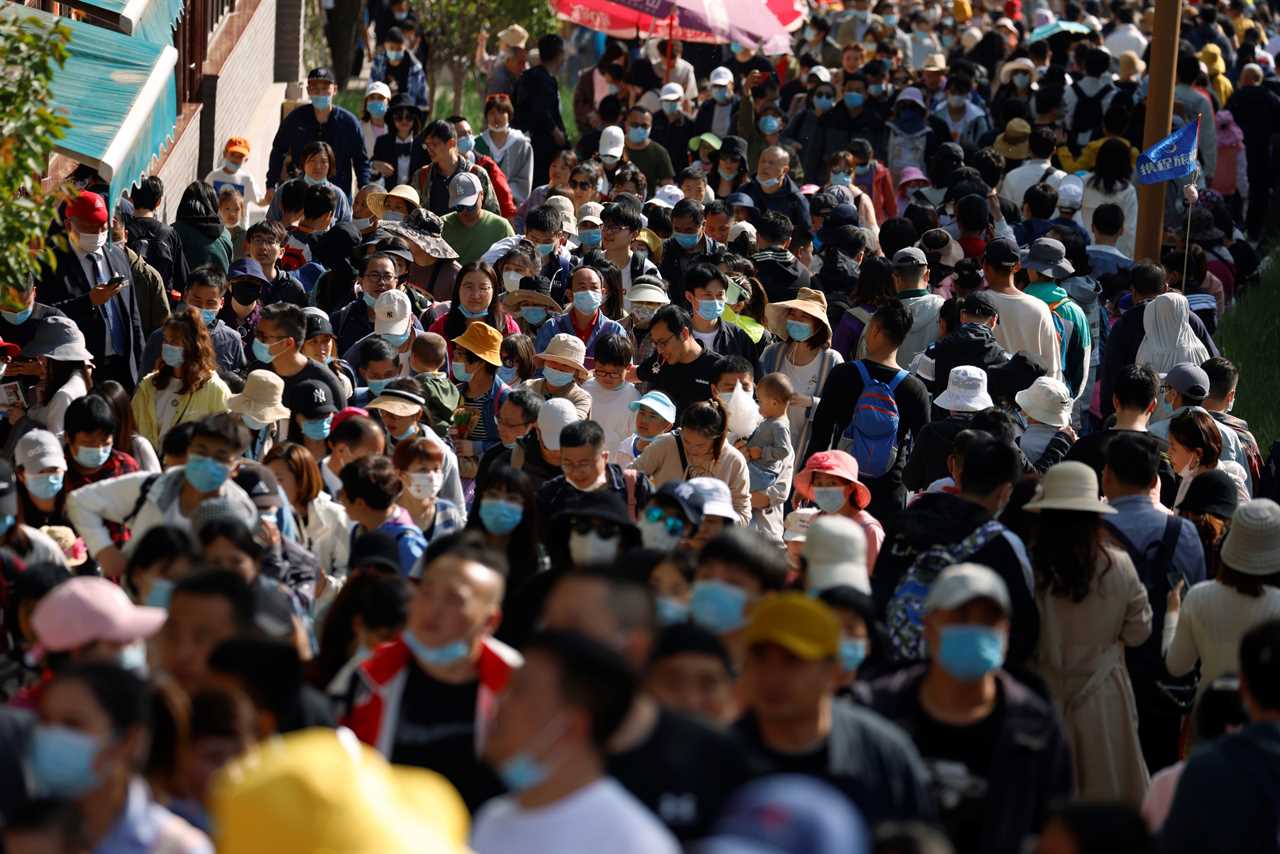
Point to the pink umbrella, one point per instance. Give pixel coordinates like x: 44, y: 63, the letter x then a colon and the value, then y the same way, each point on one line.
x: 711, y: 21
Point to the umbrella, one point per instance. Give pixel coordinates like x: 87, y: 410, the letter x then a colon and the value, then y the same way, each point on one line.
x: 709, y: 21
x: 1040, y: 33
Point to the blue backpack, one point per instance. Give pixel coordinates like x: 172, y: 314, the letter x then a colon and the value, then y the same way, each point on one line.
x: 872, y: 435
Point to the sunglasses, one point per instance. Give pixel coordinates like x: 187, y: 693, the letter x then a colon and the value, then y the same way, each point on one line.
x: 581, y: 185
x: 606, y: 530
x: 675, y: 526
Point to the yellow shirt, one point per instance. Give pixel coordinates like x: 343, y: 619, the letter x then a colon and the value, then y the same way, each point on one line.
x: 1089, y: 156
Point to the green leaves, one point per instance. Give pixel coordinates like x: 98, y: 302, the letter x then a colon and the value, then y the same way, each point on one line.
x: 30, y: 53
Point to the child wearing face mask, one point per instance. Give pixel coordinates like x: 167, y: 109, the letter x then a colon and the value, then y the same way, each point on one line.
x: 420, y: 463
x: 655, y: 415
x: 232, y: 172
x: 563, y: 370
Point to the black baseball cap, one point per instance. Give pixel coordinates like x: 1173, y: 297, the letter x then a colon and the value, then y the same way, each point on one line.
x: 1002, y: 252
x: 317, y: 323
x: 260, y: 483
x: 323, y: 72
x: 979, y: 304
x: 310, y: 399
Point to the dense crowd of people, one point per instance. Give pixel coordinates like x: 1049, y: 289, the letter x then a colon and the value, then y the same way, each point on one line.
x: 787, y: 454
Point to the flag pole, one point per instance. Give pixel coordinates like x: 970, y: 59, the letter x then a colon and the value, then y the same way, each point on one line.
x: 1186, y: 244
x: 1161, y: 69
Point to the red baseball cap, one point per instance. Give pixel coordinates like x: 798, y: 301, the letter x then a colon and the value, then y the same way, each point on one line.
x: 88, y: 207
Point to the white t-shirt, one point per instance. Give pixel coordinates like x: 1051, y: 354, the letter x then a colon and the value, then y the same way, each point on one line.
x: 1026, y: 326
x: 706, y: 339
x: 600, y: 817
x: 241, y: 180
x: 610, y: 408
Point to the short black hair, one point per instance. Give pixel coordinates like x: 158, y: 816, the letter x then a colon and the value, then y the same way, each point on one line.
x: 582, y: 433
x: 689, y: 637
x: 89, y: 414
x: 148, y: 193
x: 987, y: 465
x: 673, y: 317
x: 319, y: 200
x: 1260, y: 663
x: 1108, y: 219
x: 293, y: 195
x: 621, y: 215
x: 207, y: 276
x: 592, y: 676
x: 223, y: 427
x: 176, y: 442
x: 1134, y: 458
x: 1147, y: 279
x: 270, y: 672
x: 545, y: 218
x: 1136, y: 387
x: 715, y: 207
x: 732, y: 365
x: 227, y: 584
x: 291, y: 319
x: 550, y: 47
x: 1041, y: 200
x: 774, y: 228
x: 894, y: 320
x: 439, y: 130
x: 614, y: 350
x: 527, y: 401
x: 373, y: 479
x: 1043, y: 143
x: 1223, y: 376
x: 374, y: 349
x: 689, y: 208
x: 748, y: 550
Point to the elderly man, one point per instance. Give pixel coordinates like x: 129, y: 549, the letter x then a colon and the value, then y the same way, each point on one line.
x: 774, y: 190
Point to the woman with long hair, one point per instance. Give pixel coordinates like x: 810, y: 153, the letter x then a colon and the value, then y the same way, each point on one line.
x: 369, y: 610
x: 1111, y: 183
x: 393, y: 151
x: 475, y: 297
x: 1209, y: 504
x: 127, y: 438
x: 700, y: 447
x: 804, y: 354
x: 505, y: 512
x: 204, y: 239
x: 184, y: 386
x: 321, y: 522
x: 1092, y: 605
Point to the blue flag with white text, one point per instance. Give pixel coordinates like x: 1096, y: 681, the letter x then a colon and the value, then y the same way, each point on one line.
x: 1172, y: 157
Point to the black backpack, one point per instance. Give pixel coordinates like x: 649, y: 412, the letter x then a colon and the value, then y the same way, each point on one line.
x: 1087, y: 118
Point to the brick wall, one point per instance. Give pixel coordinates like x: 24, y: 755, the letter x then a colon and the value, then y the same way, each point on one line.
x: 241, y: 85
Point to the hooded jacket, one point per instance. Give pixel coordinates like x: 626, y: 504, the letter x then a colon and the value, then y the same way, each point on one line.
x: 971, y: 344
x: 1073, y: 330
x: 781, y: 273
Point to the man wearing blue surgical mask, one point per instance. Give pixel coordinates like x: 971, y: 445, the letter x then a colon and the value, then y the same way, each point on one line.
x: 649, y: 157
x: 321, y: 119
x: 996, y: 754
x: 585, y: 320
x: 206, y: 292
x: 400, y: 69
x: 430, y: 694
x: 544, y: 227
x: 688, y: 241
x: 773, y: 189
x: 705, y: 289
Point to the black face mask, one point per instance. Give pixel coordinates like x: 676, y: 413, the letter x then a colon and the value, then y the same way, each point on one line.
x: 246, y: 293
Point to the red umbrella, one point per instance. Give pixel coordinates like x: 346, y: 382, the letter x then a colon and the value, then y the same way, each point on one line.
x: 711, y: 21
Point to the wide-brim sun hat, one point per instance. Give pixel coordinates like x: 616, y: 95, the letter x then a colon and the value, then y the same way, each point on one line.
x: 836, y: 463
x: 533, y: 291
x: 812, y: 302
x: 1069, y: 486
x: 377, y: 202
x: 262, y: 397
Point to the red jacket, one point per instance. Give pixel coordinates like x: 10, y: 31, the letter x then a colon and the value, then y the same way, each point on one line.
x: 883, y: 194
x: 501, y: 189
x: 376, y: 710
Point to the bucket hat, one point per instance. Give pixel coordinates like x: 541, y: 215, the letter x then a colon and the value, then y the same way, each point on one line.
x: 835, y: 553
x: 483, y: 341
x: 565, y: 350
x: 262, y: 397
x: 966, y: 391
x: 1047, y: 401
x: 808, y: 300
x: 1015, y: 142
x: 1252, y: 545
x: 1049, y: 257
x: 378, y: 201
x: 1069, y: 486
x: 837, y: 463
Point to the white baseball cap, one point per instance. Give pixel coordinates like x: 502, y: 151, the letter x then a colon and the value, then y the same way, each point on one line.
x: 672, y: 92
x: 392, y: 313
x: 835, y: 553
x: 716, y: 498
x: 668, y: 196
x: 464, y: 191
x: 721, y: 76
x: 555, y: 415
x: 611, y: 141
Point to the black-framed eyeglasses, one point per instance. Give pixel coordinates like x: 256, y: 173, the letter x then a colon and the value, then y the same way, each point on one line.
x: 581, y: 185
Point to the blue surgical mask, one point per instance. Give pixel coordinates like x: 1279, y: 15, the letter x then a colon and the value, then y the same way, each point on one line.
x: 396, y: 341
x: 209, y: 316
x: 507, y: 374
x: 718, y: 607
x: 841, y: 179
x: 44, y: 486
x: 727, y: 174
x: 472, y: 315
x: 671, y: 611
x: 521, y: 772
x: 876, y: 89
x: 406, y: 432
x: 735, y: 47
x: 771, y: 182
x: 314, y: 182
x: 970, y: 652
x: 687, y: 239
x: 862, y: 168
x: 466, y: 144
x: 392, y: 216
x: 798, y: 330
x: 173, y: 355
x: 436, y: 656
x: 395, y: 55
x: 230, y: 166
x: 460, y: 373
x: 363, y: 223
x: 853, y: 651
x: 7, y: 522
x: 500, y: 516
x: 891, y: 20
x: 854, y: 100
x: 710, y: 309
x: 261, y: 351
x: 534, y: 315
x: 611, y: 89
x: 252, y: 423
x: 587, y: 301
x: 376, y: 386
x: 1021, y: 79
x: 371, y: 299
x: 720, y: 94
x: 317, y: 428
x: 670, y: 107
x: 60, y: 761
x: 637, y: 134
x: 589, y: 237
x: 160, y: 593
x: 824, y: 102
x: 204, y: 473
x: 557, y: 378
x: 17, y: 318
x: 91, y: 457
x: 830, y: 499
x: 769, y: 124
x: 545, y: 249
x: 377, y: 109
x: 322, y: 102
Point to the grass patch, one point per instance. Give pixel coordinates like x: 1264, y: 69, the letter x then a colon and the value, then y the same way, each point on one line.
x: 472, y: 104
x: 1248, y: 336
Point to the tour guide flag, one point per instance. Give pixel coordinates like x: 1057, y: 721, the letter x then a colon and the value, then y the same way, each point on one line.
x: 1172, y: 157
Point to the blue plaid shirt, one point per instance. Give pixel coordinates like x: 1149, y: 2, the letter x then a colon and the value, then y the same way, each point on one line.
x: 412, y: 81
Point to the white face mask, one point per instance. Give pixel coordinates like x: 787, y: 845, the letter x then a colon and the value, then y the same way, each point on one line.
x: 425, y: 485
x: 655, y: 536
x: 586, y: 549
x: 503, y: 128
x: 92, y: 242
x: 511, y: 281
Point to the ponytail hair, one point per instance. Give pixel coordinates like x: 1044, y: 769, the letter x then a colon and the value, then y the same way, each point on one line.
x: 710, y: 417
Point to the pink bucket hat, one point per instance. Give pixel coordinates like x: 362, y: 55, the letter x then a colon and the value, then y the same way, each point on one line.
x: 836, y: 463
x: 88, y: 609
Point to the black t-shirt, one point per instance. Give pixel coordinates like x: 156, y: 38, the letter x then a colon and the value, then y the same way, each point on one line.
x: 437, y: 730
x: 685, y: 384
x: 313, y: 370
x: 835, y: 411
x: 958, y: 759
x: 684, y: 772
x: 814, y: 763
x: 1091, y: 449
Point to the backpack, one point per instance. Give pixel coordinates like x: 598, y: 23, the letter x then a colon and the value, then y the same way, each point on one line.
x: 1062, y: 329
x: 1086, y: 121
x: 905, y: 611
x: 872, y: 435
x: 142, y: 499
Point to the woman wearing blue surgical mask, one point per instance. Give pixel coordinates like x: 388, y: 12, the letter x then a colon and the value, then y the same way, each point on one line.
x: 393, y: 151
x: 420, y: 463
x: 90, y: 747
x: 369, y: 610
x: 863, y: 642
x: 394, y: 205
x: 373, y: 119
x: 184, y: 385
x: 157, y: 560
x: 803, y: 354
x: 66, y: 375
x: 517, y: 360
x: 322, y: 523
x: 505, y: 513
x: 476, y: 296
x: 312, y: 410
x: 731, y: 170
x: 590, y: 296
x: 27, y: 541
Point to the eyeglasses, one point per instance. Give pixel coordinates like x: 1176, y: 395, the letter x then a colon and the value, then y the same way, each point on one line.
x: 581, y: 185
x: 611, y: 227
x: 611, y: 374
x: 660, y: 344
x: 606, y: 530
x: 674, y: 524
x: 381, y: 278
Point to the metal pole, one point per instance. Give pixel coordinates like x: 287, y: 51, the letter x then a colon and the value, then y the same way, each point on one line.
x: 1161, y: 71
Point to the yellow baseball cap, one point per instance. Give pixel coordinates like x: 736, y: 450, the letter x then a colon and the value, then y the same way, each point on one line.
x: 321, y: 790
x: 798, y: 623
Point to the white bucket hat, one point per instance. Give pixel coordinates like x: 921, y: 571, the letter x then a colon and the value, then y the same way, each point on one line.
x: 1253, y: 542
x: 1069, y: 486
x: 835, y: 553
x: 966, y: 391
x: 1047, y: 401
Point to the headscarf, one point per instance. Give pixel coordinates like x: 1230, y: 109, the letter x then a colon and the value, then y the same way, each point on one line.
x: 1169, y: 339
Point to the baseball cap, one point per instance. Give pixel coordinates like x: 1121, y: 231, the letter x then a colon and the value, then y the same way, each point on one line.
x: 310, y: 399
x: 716, y: 498
x: 237, y: 145
x: 611, y: 141
x: 1188, y: 380
x: 87, y: 609
x: 392, y: 313
x: 798, y: 623
x: 464, y: 191
x: 317, y: 322
x: 797, y: 525
x: 322, y: 72
x: 259, y: 482
x: 909, y: 256
x: 721, y: 76
x: 378, y: 87
x: 671, y: 92
x: 835, y: 553
x: 685, y: 497
x: 963, y: 583
x: 821, y: 72
x: 39, y: 449
x: 1002, y: 252
x: 979, y: 304
x: 739, y: 200
x: 555, y: 415
x: 788, y: 814
x: 89, y: 207
x: 1071, y: 193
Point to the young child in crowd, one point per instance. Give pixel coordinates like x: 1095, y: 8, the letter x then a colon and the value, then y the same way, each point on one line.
x: 611, y: 394
x: 427, y: 358
x: 770, y: 443
x: 230, y: 173
x: 231, y: 210
x: 655, y: 415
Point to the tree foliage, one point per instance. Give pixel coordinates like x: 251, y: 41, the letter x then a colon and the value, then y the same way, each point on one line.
x: 31, y: 51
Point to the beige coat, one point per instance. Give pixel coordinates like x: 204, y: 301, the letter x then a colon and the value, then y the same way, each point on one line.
x: 661, y: 461
x: 1081, y: 657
